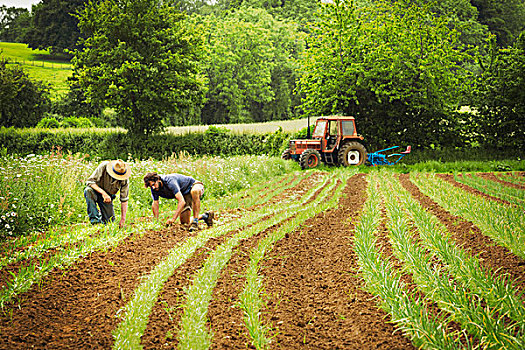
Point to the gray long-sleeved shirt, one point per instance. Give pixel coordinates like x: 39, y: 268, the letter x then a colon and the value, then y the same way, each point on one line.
x: 102, y: 179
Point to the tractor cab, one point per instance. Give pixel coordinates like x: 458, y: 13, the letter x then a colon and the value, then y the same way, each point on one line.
x: 331, y: 130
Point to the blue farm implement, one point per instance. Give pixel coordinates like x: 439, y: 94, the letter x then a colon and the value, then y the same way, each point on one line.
x: 382, y: 158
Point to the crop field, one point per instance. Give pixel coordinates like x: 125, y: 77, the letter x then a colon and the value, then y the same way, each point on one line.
x: 325, y: 259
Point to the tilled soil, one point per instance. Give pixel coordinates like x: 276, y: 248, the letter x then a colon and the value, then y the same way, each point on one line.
x: 493, y: 177
x: 470, y: 237
x: 76, y: 308
x: 314, y: 296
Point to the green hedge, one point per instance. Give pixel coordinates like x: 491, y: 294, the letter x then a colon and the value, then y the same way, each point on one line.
x: 117, y: 144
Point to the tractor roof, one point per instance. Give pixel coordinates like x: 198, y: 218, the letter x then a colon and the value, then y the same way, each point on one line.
x: 335, y: 117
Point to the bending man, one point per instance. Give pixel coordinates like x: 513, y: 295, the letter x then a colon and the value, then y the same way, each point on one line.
x: 109, y: 178
x: 188, y: 193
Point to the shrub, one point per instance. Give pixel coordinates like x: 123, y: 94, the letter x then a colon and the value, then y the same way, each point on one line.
x: 48, y: 123
x: 22, y: 100
x: 74, y: 122
x: 117, y: 144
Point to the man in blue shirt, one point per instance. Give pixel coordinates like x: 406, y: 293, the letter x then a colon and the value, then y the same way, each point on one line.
x: 188, y: 193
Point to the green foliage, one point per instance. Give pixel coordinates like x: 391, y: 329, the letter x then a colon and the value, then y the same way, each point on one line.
x: 395, y: 67
x: 112, y: 145
x: 460, y: 15
x: 13, y: 23
x: 53, y: 25
x: 22, y: 100
x: 500, y: 98
x: 504, y: 18
x: 251, y: 74
x: 48, y: 123
x: 140, y: 58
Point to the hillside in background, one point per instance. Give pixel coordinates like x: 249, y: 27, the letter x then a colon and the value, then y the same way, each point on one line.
x: 40, y: 65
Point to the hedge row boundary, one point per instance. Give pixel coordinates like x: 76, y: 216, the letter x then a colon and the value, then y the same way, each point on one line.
x: 117, y: 144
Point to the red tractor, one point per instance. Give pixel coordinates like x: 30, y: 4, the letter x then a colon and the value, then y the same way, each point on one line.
x: 334, y: 141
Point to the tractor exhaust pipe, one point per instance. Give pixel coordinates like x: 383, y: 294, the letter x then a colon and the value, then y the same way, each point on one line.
x: 308, y: 128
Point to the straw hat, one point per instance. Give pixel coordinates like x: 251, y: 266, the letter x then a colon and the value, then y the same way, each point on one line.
x: 118, y: 170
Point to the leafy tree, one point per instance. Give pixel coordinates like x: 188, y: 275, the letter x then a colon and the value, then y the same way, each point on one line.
x: 301, y: 11
x: 504, y: 18
x: 249, y: 67
x: 396, y: 67
x: 53, y: 25
x: 141, y: 58
x: 75, y: 103
x: 500, y: 98
x: 461, y: 16
x: 23, y: 101
x: 14, y: 22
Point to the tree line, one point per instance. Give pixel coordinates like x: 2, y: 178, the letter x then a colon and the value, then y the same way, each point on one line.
x: 402, y: 68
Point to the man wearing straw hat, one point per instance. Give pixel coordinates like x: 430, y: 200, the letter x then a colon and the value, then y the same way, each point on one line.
x: 109, y: 178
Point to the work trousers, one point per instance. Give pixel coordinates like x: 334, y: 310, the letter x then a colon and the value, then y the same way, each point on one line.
x: 106, y: 213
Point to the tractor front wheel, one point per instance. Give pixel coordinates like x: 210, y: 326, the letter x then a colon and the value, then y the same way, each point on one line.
x: 352, y: 153
x: 286, y: 155
x: 309, y: 159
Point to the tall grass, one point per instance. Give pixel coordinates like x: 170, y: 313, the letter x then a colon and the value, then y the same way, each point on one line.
x: 41, y: 191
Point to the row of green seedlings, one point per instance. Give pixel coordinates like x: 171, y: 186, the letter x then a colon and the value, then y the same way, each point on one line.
x: 505, y: 224
x: 79, y: 241
x: 407, y: 311
x: 513, y: 177
x: 250, y: 300
x: 194, y: 334
x: 483, y: 303
x: 136, y: 312
x: 110, y: 236
x: 512, y: 195
x: 482, y: 311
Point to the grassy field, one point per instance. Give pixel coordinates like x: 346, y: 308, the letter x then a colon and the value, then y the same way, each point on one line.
x: 40, y: 65
x: 255, y: 128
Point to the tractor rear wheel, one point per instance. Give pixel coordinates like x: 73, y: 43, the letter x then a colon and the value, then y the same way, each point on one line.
x: 309, y: 159
x: 352, y: 153
x: 286, y: 155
